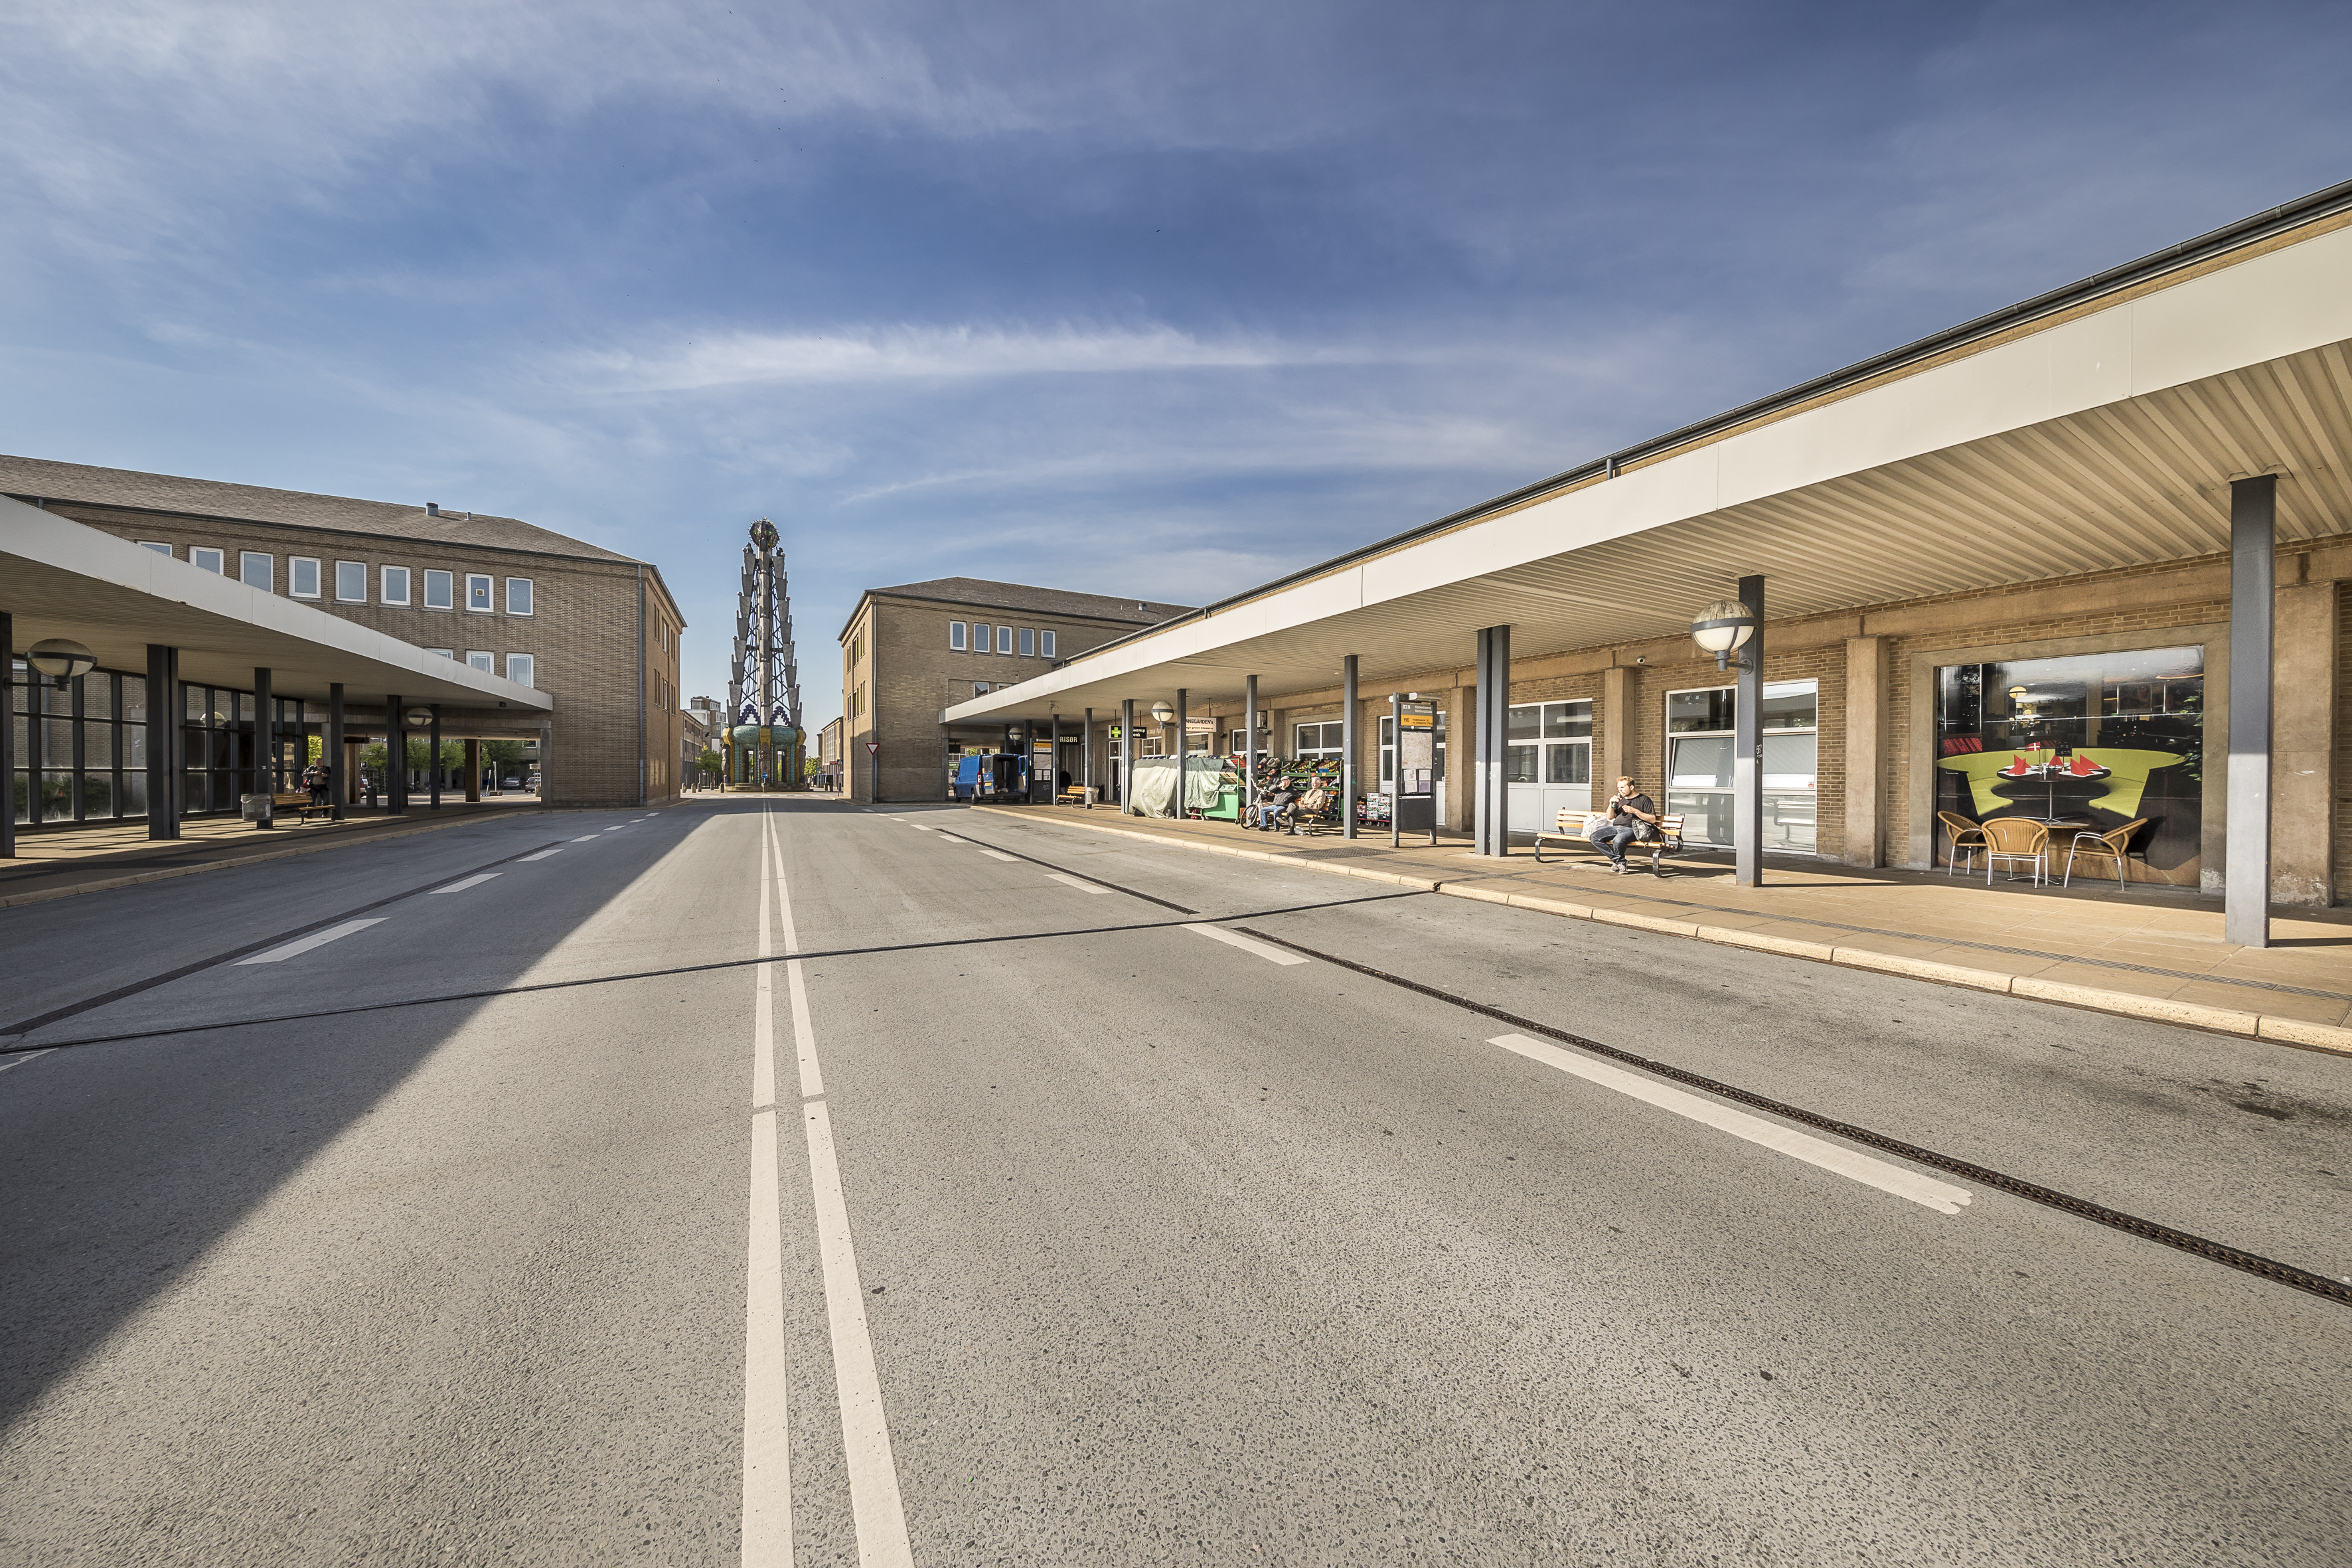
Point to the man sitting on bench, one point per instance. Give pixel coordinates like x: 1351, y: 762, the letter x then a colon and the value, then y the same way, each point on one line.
x: 1629, y: 813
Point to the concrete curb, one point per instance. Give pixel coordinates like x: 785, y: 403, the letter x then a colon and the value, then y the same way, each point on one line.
x: 2295, y: 1032
x: 334, y: 841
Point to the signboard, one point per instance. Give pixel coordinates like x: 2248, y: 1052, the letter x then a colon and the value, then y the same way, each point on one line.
x: 1114, y: 731
x: 1041, y: 747
x: 1417, y: 719
x: 872, y: 747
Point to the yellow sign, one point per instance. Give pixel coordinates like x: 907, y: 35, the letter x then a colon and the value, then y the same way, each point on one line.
x: 1409, y: 719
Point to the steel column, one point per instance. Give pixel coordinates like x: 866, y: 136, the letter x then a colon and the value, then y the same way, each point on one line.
x: 1490, y: 798
x: 1053, y: 758
x: 163, y: 741
x: 1087, y: 763
x: 1348, y: 747
x: 396, y: 758
x: 334, y: 749
x: 1176, y: 804
x: 264, y: 737
x: 1396, y: 766
x: 1125, y: 752
x: 2253, y: 583
x: 1249, y: 746
x: 433, y: 764
x: 1747, y: 750
x: 8, y: 737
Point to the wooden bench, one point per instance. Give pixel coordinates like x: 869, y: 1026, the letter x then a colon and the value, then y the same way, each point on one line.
x: 1568, y: 829
x: 299, y: 801
x: 1071, y: 797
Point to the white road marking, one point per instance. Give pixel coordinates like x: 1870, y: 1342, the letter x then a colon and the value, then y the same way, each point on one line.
x: 21, y: 1058
x: 1075, y: 882
x: 1266, y: 951
x: 475, y: 880
x: 874, y: 1499
x: 1941, y: 1196
x: 951, y: 838
x: 767, y: 1525
x: 920, y: 827
x: 540, y: 855
x: 616, y: 827
x: 1000, y: 855
x: 316, y: 939
x: 585, y: 838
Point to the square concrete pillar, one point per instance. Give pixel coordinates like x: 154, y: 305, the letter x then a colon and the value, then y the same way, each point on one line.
x: 1459, y: 742
x: 1865, y: 754
x: 1613, y: 757
x: 2302, y: 747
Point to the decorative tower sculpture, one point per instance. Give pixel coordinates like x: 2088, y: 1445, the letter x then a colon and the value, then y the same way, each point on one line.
x: 765, y: 743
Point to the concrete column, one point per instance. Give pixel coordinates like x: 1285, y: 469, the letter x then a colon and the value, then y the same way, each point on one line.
x: 1347, y: 764
x: 1747, y: 750
x: 2302, y: 750
x: 1865, y: 760
x: 1249, y: 744
x: 332, y: 754
x: 2253, y: 576
x: 396, y: 758
x: 1053, y: 758
x: 1612, y: 757
x: 1460, y: 735
x: 433, y: 764
x: 473, y: 770
x: 1086, y: 754
x: 546, y: 746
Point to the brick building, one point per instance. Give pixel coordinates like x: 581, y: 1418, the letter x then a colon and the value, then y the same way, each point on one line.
x: 2079, y: 569
x: 910, y: 652
x: 595, y: 631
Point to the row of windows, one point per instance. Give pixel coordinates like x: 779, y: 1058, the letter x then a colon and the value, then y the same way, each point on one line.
x: 1034, y: 642
x: 305, y: 579
x: 522, y: 668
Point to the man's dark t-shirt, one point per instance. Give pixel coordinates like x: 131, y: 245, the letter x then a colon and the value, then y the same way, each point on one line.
x: 1618, y: 813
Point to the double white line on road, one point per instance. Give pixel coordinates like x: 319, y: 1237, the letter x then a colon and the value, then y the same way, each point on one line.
x: 874, y: 1498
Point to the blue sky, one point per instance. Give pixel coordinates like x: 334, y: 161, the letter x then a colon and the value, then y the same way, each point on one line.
x: 1152, y: 299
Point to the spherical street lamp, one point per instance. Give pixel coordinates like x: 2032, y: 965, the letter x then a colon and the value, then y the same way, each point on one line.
x: 1722, y: 629
x: 1162, y: 713
x: 59, y: 658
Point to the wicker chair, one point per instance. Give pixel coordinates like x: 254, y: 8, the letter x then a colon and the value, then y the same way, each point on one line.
x: 2113, y: 845
x: 2011, y: 839
x: 1967, y: 838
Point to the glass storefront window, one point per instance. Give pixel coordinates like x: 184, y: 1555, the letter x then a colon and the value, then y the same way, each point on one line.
x: 2128, y: 729
x: 1699, y: 763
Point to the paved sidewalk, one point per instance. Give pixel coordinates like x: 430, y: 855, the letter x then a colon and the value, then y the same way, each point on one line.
x: 2148, y: 953
x: 55, y: 863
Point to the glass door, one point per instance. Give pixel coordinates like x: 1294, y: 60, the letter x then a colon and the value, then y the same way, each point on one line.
x: 1547, y: 763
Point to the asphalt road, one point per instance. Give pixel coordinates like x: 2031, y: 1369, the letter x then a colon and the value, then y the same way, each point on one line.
x: 1024, y: 1220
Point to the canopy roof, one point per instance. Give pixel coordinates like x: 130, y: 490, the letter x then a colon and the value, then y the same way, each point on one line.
x: 2097, y: 428
x: 59, y: 578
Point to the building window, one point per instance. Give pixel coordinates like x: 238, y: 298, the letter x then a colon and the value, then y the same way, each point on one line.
x: 393, y: 587
x: 477, y: 592
x: 440, y: 588
x: 477, y: 659
x: 955, y: 636
x: 1028, y: 643
x: 257, y: 569
x: 522, y: 670
x: 302, y: 577
x: 351, y: 582
x: 448, y: 653
x: 518, y: 596
x: 205, y: 559
x: 1318, y: 742
x: 980, y: 689
x: 1699, y: 763
x: 1004, y: 639
x: 157, y: 545
x: 1045, y: 644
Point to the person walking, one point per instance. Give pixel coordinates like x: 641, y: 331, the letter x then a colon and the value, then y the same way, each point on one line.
x: 1632, y: 818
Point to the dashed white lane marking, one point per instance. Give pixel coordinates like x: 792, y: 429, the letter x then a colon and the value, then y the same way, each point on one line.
x: 21, y: 1058
x: 1266, y: 951
x: 316, y: 939
x: 616, y: 827
x: 585, y: 838
x: 1941, y: 1196
x: 1000, y: 855
x: 874, y: 1501
x: 475, y: 880
x: 920, y: 827
x: 951, y: 838
x: 1075, y: 882
x: 541, y: 855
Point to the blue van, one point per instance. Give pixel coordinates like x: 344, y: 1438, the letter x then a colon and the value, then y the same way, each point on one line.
x: 994, y: 775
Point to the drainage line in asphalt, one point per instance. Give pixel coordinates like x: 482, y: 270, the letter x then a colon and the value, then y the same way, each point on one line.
x: 16, y: 1046
x: 2048, y: 1197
